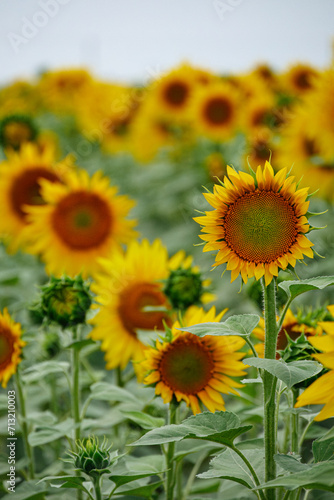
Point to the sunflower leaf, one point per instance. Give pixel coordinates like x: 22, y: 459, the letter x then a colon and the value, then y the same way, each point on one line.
x: 240, y: 325
x: 228, y: 465
x: 290, y: 373
x: 144, y: 420
x: 295, y: 288
x: 219, y: 427
x: 318, y: 476
x: 323, y: 447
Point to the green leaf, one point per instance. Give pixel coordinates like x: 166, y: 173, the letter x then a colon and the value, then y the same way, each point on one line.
x: 317, y: 477
x: 79, y: 344
x: 323, y: 447
x: 143, y: 419
x: 140, y: 491
x: 128, y: 477
x: 228, y: 465
x: 108, y: 392
x: 37, y: 372
x: 290, y: 373
x: 241, y: 325
x: 28, y: 490
x: 49, y: 434
x: 290, y: 463
x: 219, y: 427
x: 295, y: 288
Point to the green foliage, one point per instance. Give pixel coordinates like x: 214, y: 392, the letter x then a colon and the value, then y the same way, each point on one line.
x: 241, y: 325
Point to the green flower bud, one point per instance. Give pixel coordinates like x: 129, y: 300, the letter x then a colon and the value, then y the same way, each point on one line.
x: 92, y: 458
x: 65, y: 301
x: 184, y: 288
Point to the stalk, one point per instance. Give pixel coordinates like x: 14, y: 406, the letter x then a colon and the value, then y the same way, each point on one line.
x: 269, y: 385
x: 24, y: 426
x: 170, y: 476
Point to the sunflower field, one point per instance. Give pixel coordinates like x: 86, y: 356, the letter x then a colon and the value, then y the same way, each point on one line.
x: 131, y: 364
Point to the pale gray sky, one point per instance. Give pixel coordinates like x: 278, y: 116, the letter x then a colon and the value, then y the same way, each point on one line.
x: 132, y: 40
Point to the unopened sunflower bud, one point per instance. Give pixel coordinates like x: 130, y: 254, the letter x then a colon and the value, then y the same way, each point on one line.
x: 92, y: 458
x: 184, y: 288
x: 16, y: 129
x: 65, y: 301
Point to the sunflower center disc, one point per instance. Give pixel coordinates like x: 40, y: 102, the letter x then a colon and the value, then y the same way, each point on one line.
x: 134, y: 300
x: 26, y: 189
x: 176, y: 93
x: 6, y: 347
x: 186, y: 366
x: 218, y: 111
x: 82, y: 220
x: 260, y: 226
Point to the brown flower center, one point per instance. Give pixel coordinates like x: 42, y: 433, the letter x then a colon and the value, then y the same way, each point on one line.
x: 26, y: 190
x: 6, y: 347
x: 187, y: 365
x: 260, y: 226
x: 310, y: 147
x: 176, y: 93
x: 303, y: 80
x: 218, y: 111
x: 134, y: 300
x: 82, y: 220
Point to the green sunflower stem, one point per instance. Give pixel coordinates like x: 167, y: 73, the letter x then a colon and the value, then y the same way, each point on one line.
x: 269, y: 385
x: 24, y: 426
x: 170, y: 476
x: 76, y: 386
x: 295, y: 424
x: 97, y: 488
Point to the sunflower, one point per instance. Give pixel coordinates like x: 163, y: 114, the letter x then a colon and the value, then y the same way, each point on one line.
x: 195, y: 369
x: 322, y: 390
x: 62, y: 91
x: 20, y: 180
x: 82, y: 220
x: 260, y: 148
x: 19, y: 98
x: 107, y: 113
x: 320, y: 105
x: 301, y: 142
x: 131, y: 282
x: 299, y: 79
x: 292, y: 325
x: 10, y: 347
x: 257, y: 112
x: 214, y: 110
x: 258, y: 224
x: 185, y: 286
x: 171, y: 93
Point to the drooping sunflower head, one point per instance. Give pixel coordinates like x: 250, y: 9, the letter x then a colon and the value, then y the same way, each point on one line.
x: 214, y: 110
x: 258, y: 224
x: 82, y: 221
x: 132, y: 303
x: 185, y: 286
x: 10, y: 347
x: 20, y: 187
x: 195, y: 369
x: 16, y: 129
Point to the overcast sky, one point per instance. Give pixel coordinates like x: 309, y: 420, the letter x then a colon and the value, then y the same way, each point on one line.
x: 133, y: 40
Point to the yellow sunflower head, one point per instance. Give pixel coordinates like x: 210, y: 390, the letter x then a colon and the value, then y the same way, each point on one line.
x: 258, y: 224
x: 214, y: 110
x: 82, y: 220
x: 10, y: 347
x: 260, y: 148
x: 321, y: 391
x: 299, y: 79
x: 20, y: 188
x: 132, y: 302
x: 195, y: 369
x: 185, y: 286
